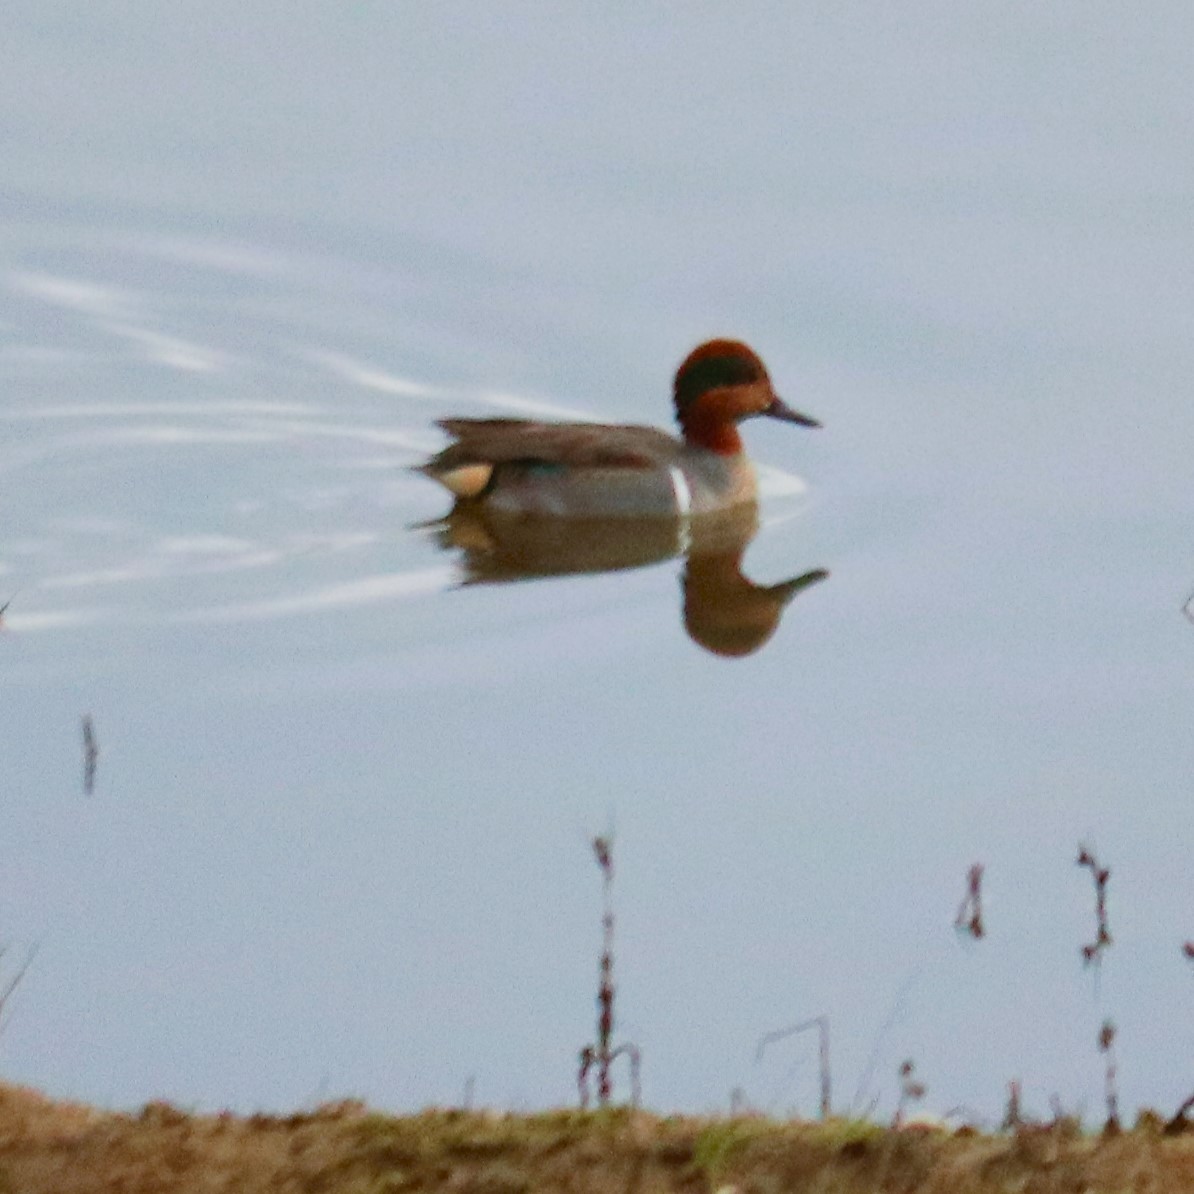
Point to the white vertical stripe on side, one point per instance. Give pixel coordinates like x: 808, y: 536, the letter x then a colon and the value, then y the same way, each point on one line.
x: 681, y: 490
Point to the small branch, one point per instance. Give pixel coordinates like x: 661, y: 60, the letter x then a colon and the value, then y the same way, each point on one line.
x: 1180, y: 1121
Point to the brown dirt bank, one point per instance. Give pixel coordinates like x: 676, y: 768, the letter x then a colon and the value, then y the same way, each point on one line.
x: 67, y: 1148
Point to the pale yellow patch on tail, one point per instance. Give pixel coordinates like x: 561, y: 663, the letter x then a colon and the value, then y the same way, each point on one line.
x: 467, y: 481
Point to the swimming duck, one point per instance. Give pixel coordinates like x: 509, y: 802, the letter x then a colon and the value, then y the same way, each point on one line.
x: 598, y: 470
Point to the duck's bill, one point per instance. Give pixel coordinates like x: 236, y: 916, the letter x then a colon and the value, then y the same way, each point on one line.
x: 779, y: 409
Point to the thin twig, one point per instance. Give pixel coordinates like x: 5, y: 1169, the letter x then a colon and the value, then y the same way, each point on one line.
x: 822, y: 1024
x: 11, y: 985
x: 872, y: 1062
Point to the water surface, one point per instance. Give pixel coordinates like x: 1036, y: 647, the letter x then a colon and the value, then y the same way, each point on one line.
x: 338, y: 842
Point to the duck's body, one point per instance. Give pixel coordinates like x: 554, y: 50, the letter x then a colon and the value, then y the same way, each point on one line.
x: 587, y: 470
x: 597, y: 470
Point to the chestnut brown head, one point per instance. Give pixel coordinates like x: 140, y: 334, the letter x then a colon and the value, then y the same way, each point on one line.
x: 720, y: 383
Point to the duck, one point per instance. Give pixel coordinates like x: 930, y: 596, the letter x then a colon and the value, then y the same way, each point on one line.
x: 602, y: 470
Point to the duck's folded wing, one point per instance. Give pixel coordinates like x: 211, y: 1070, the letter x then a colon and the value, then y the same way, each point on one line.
x: 579, y: 445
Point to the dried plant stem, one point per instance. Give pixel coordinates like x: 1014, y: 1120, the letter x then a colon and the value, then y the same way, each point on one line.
x: 604, y: 1052
x: 1101, y: 875
x: 90, y: 754
x: 1013, y: 1115
x: 1110, y: 1087
x: 970, y: 911
x: 911, y: 1091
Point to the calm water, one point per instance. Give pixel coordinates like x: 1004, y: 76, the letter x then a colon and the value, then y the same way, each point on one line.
x: 338, y: 841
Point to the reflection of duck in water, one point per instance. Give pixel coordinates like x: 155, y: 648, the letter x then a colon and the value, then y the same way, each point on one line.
x: 597, y: 470
x: 724, y: 612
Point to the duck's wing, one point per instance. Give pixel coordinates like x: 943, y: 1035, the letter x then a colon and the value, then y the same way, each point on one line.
x: 579, y: 445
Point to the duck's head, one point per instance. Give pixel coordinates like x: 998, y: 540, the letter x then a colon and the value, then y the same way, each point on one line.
x: 720, y: 383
